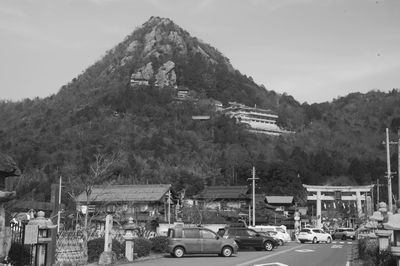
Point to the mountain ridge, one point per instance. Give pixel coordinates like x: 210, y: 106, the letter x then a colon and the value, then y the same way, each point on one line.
x: 99, y: 112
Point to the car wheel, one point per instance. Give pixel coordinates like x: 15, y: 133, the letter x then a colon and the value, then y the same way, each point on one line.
x: 314, y: 241
x: 179, y: 252
x: 268, y: 246
x: 280, y: 242
x: 333, y: 237
x: 329, y: 240
x: 226, y: 251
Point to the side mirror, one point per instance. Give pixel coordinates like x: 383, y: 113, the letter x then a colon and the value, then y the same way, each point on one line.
x: 217, y: 237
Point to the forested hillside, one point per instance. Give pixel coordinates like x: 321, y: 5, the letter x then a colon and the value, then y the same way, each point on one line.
x: 154, y: 140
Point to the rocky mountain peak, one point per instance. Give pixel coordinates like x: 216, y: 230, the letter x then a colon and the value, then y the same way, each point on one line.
x: 162, y: 38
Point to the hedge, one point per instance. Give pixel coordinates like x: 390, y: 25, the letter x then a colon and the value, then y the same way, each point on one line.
x: 159, y: 244
x: 96, y: 247
x: 142, y: 246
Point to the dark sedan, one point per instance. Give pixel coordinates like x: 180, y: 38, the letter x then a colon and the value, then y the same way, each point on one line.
x: 248, y: 238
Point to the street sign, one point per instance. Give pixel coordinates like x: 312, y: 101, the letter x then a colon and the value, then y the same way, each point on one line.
x: 31, y: 234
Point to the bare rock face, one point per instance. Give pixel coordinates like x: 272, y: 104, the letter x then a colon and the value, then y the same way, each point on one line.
x: 166, y: 75
x: 151, y: 39
x: 132, y: 46
x: 178, y: 41
x: 144, y: 73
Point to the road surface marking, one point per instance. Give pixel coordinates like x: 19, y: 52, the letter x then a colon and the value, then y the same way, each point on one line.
x: 265, y: 257
x: 304, y: 250
x: 272, y: 264
x: 341, y: 242
x: 336, y: 246
x: 350, y: 243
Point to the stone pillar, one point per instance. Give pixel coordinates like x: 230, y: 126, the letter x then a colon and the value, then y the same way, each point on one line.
x: 107, y: 257
x: 358, y: 197
x: 5, y: 229
x: 319, y: 213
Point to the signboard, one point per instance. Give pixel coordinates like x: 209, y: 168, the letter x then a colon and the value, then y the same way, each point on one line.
x: 31, y: 234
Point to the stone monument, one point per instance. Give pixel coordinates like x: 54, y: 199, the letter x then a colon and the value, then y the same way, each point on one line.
x: 8, y: 168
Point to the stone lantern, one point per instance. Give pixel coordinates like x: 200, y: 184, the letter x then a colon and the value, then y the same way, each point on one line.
x: 383, y: 235
x: 394, y: 224
x: 129, y: 236
x: 44, y: 231
x: 378, y: 218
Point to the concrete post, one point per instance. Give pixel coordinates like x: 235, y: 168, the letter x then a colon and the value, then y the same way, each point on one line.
x: 107, y: 257
x: 358, y: 197
x: 319, y: 213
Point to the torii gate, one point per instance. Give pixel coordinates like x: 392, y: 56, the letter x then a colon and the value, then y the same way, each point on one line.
x: 332, y: 193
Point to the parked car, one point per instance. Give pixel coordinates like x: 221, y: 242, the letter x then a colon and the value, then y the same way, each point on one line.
x: 248, y: 238
x: 344, y: 233
x: 281, y: 232
x: 198, y: 240
x: 314, y: 235
x: 272, y: 234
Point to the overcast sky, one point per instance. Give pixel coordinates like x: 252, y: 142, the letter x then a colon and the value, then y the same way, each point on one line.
x: 314, y: 50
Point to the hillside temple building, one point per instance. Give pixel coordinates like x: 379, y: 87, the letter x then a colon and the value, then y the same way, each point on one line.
x: 259, y: 120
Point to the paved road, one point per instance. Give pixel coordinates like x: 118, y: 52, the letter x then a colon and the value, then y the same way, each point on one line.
x: 294, y: 254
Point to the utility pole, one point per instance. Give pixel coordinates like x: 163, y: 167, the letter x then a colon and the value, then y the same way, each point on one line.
x: 59, y: 206
x: 169, y: 208
x: 398, y: 163
x: 390, y: 205
x: 254, y: 195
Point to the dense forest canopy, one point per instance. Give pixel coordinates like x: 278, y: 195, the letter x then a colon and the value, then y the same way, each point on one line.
x: 98, y: 112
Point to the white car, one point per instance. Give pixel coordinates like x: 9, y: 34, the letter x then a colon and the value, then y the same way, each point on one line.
x: 314, y: 235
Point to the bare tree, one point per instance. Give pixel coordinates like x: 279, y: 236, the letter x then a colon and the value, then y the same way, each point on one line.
x: 100, y: 170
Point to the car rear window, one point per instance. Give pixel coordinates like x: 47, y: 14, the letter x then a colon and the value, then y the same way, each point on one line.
x: 191, y: 233
x: 305, y: 231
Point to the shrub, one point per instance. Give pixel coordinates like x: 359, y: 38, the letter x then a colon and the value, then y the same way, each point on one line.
x: 367, y: 248
x: 369, y: 253
x: 142, y: 246
x: 96, y: 247
x: 19, y: 254
x: 159, y: 244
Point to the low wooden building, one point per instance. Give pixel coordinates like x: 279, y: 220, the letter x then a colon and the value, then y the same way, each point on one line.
x: 141, y: 202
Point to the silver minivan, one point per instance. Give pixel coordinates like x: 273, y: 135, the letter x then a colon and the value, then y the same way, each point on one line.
x: 198, y: 240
